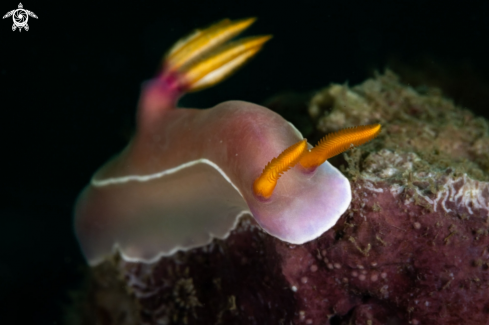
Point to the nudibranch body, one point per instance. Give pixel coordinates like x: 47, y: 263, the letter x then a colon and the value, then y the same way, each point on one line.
x: 189, y: 174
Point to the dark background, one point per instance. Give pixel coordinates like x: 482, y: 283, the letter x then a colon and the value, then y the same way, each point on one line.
x: 69, y: 86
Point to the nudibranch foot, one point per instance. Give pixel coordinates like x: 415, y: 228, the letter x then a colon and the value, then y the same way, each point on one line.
x: 147, y: 218
x: 335, y: 143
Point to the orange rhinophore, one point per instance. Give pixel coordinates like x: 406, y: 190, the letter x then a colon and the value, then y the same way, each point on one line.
x: 331, y: 145
x: 265, y: 184
x: 335, y: 143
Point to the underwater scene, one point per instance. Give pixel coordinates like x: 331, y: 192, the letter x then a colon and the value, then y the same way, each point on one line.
x: 245, y: 162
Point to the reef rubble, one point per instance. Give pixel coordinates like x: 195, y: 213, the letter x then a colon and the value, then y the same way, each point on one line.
x: 412, y: 248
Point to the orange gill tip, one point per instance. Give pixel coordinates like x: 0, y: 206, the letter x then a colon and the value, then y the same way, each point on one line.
x: 222, y: 63
x: 266, y: 182
x: 335, y: 143
x: 203, y: 41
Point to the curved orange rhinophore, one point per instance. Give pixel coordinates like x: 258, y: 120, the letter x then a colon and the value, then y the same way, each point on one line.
x: 335, y: 143
x: 265, y: 184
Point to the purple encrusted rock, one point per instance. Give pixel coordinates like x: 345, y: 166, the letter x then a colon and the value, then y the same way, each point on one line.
x: 412, y: 248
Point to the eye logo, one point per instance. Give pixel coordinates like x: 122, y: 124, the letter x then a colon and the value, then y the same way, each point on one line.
x: 20, y: 17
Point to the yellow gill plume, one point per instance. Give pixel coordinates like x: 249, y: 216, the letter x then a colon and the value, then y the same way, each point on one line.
x: 203, y: 58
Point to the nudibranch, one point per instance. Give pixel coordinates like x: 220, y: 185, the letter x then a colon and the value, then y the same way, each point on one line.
x: 188, y: 175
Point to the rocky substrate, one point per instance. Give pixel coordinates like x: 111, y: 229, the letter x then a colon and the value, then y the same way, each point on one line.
x: 413, y: 247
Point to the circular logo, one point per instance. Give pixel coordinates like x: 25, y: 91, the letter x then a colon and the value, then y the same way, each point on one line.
x: 20, y: 17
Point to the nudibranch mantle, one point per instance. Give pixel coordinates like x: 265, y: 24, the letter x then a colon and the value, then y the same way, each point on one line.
x: 189, y: 178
